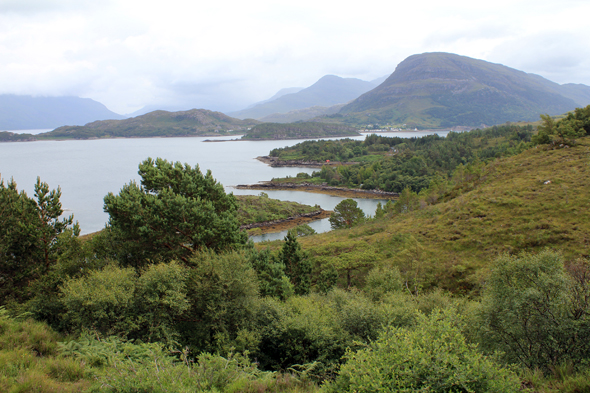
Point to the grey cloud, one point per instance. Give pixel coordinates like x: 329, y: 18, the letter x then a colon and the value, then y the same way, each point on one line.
x: 556, y: 56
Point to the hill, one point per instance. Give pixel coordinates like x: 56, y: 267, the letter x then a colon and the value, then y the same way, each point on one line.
x: 19, y: 112
x: 329, y: 90
x: 443, y: 90
x: 527, y: 202
x: 298, y: 131
x: 196, y: 122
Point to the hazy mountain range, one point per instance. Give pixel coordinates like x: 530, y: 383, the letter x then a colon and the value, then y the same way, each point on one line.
x: 329, y: 90
x: 19, y: 112
x: 444, y: 90
x: 430, y: 90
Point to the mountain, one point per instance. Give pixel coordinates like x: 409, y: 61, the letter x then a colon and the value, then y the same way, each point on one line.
x: 196, y: 122
x: 302, y: 114
x: 18, y: 112
x: 445, y: 90
x: 329, y: 90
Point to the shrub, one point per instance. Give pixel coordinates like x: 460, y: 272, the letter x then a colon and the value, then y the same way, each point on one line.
x: 535, y: 312
x: 431, y: 357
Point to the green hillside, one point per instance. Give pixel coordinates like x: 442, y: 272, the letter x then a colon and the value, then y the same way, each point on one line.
x: 196, y: 122
x: 535, y: 200
x: 445, y: 90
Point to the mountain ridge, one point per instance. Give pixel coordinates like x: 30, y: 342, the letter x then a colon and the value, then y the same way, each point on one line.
x: 443, y: 89
x: 25, y: 112
x: 327, y: 91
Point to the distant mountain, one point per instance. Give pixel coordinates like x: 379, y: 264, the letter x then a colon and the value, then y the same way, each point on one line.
x: 18, y: 112
x: 445, y: 90
x: 196, y: 122
x: 302, y: 114
x: 280, y: 93
x: 329, y: 90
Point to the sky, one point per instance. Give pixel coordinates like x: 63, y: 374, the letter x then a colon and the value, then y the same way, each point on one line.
x: 225, y: 55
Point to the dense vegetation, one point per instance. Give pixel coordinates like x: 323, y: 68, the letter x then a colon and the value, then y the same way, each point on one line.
x: 476, y: 284
x: 394, y: 163
x: 298, y: 131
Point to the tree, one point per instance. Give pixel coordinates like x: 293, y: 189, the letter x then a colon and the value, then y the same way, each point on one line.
x: 115, y: 301
x: 535, y: 312
x: 176, y: 211
x: 272, y: 280
x: 297, y: 266
x: 29, y: 236
x: 566, y: 130
x: 346, y: 214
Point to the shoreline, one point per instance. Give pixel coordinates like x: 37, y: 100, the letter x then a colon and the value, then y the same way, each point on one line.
x: 276, y: 162
x: 275, y: 226
x: 321, y: 189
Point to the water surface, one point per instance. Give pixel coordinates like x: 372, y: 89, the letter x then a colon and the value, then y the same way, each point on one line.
x: 86, y: 170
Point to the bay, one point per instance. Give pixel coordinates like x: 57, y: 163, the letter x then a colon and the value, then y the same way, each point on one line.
x: 86, y: 170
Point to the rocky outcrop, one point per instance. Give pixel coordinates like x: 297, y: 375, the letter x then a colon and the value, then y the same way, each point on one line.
x: 318, y: 187
x: 284, y: 220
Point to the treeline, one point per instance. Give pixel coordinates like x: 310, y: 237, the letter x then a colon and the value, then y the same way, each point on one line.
x: 393, y: 163
x: 298, y: 130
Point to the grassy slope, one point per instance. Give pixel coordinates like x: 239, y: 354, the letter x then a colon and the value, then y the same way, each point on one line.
x: 451, y: 244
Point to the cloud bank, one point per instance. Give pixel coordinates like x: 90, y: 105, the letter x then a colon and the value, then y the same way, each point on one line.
x: 226, y: 55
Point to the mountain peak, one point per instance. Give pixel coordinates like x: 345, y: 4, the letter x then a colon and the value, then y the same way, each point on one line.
x: 444, y: 89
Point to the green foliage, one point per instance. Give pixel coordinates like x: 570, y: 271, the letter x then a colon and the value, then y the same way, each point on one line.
x: 299, y: 331
x: 534, y: 312
x: 346, y: 214
x: 297, y: 265
x: 253, y: 209
x: 222, y: 291
x: 29, y: 362
x: 327, y: 279
x: 382, y: 280
x: 272, y: 280
x: 115, y: 301
x: 408, y: 201
x: 433, y: 356
x: 176, y: 211
x: 408, y: 162
x: 304, y: 230
x: 29, y: 237
x: 565, y: 131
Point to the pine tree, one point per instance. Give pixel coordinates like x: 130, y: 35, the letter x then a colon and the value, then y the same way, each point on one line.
x: 297, y: 265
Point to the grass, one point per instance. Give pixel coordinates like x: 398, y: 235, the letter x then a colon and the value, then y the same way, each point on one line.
x: 535, y: 200
x: 255, y: 209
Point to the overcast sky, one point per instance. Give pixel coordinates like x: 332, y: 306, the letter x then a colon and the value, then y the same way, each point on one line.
x: 224, y: 55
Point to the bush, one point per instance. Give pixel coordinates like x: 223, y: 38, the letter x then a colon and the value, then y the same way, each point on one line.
x: 535, y: 312
x: 432, y: 357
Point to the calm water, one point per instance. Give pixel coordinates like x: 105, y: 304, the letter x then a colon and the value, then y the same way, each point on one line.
x: 87, y: 170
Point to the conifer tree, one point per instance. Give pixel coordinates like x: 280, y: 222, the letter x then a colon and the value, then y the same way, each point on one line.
x: 297, y: 266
